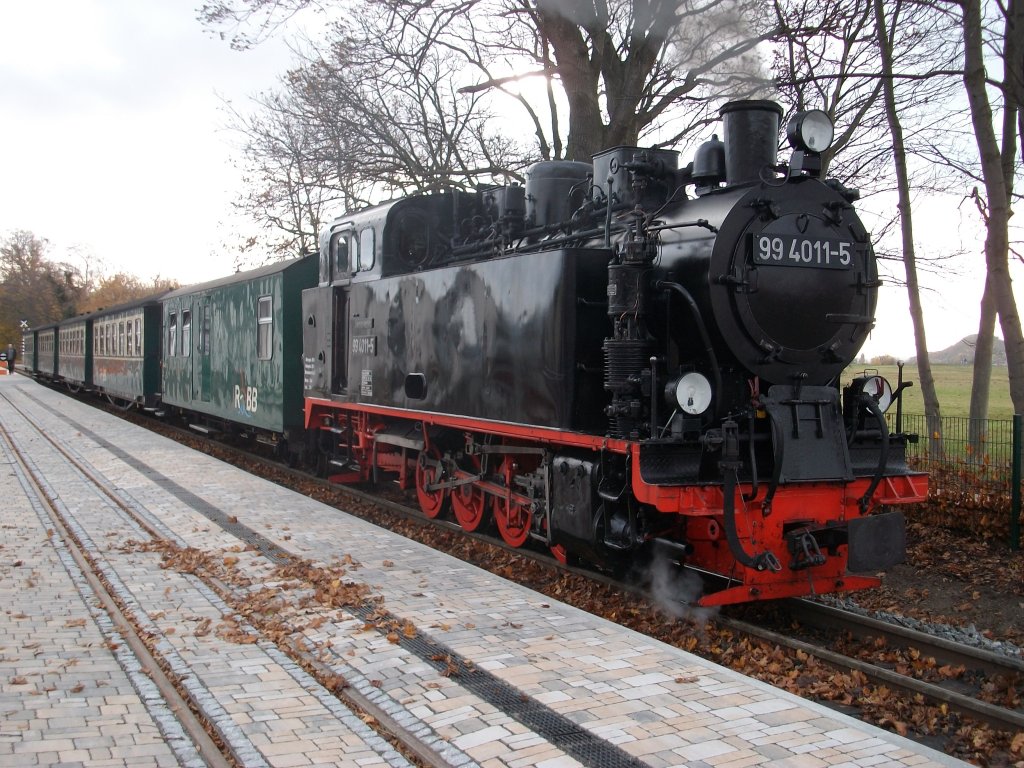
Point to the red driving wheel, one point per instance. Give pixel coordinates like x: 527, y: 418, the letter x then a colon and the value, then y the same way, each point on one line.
x: 512, y: 518
x: 428, y: 471
x: 469, y: 502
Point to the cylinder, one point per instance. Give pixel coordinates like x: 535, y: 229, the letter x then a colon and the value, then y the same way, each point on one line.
x: 751, y: 139
x: 554, y: 189
x: 612, y: 177
x: 625, y: 289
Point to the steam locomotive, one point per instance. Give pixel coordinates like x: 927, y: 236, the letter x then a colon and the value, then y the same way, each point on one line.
x: 624, y: 359
x: 620, y: 361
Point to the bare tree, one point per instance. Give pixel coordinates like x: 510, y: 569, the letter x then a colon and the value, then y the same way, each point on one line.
x: 1011, y: 130
x: 361, y: 120
x: 887, y: 22
x: 289, y: 180
x: 998, y: 160
x: 611, y: 69
x: 840, y: 56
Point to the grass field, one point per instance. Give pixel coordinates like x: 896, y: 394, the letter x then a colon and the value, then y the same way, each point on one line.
x: 952, y: 384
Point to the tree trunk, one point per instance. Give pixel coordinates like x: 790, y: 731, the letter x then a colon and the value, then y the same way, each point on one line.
x: 982, y: 377
x: 899, y: 154
x: 580, y: 80
x: 997, y: 242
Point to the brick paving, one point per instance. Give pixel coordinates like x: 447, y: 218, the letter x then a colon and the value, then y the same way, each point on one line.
x: 656, y: 704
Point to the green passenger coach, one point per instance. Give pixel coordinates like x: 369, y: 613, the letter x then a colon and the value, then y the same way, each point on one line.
x: 47, y: 353
x: 126, y: 352
x: 26, y: 360
x: 74, y: 342
x: 223, y: 352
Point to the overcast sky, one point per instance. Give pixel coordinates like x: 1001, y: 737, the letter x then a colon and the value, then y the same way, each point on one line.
x: 112, y: 132
x: 113, y: 146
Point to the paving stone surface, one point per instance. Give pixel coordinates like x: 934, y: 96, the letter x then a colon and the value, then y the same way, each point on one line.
x: 67, y: 698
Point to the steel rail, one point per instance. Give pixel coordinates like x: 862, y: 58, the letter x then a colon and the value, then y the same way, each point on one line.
x: 210, y: 751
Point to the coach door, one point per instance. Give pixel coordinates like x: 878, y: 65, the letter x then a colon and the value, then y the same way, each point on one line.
x: 339, y: 373
x: 202, y: 367
x: 344, y: 251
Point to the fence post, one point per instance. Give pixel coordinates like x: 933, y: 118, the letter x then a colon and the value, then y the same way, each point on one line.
x: 1018, y: 429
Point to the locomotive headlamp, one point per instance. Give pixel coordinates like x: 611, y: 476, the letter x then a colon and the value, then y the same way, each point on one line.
x: 692, y: 393
x: 877, y: 387
x: 810, y: 131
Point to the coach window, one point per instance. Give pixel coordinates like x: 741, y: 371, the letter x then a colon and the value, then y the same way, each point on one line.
x: 131, y: 339
x: 205, y: 318
x: 138, y: 337
x: 264, y: 327
x: 172, y: 333
x: 186, y: 332
x: 120, y: 339
x: 366, y: 254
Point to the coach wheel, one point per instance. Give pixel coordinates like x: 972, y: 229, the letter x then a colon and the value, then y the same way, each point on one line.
x: 512, y: 518
x: 428, y: 471
x: 469, y: 502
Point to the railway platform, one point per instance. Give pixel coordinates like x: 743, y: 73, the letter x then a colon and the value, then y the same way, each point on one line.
x: 140, y: 579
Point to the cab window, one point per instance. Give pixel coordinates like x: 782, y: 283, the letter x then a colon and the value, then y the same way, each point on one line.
x: 325, y: 265
x: 339, y: 254
x: 366, y: 252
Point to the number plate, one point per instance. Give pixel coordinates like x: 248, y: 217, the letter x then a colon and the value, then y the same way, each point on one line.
x: 799, y: 251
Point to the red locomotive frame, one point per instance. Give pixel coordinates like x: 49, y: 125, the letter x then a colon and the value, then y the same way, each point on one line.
x: 697, y: 509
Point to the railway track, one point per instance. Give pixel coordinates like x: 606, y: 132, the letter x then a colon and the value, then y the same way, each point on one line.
x: 963, y: 669
x: 190, y: 719
x: 819, y: 628
x: 822, y: 629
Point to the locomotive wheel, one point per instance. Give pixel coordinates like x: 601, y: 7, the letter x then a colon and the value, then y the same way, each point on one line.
x: 429, y: 470
x: 513, y: 519
x: 469, y: 503
x: 513, y: 522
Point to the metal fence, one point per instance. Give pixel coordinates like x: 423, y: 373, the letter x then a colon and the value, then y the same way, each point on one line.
x: 977, y: 459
